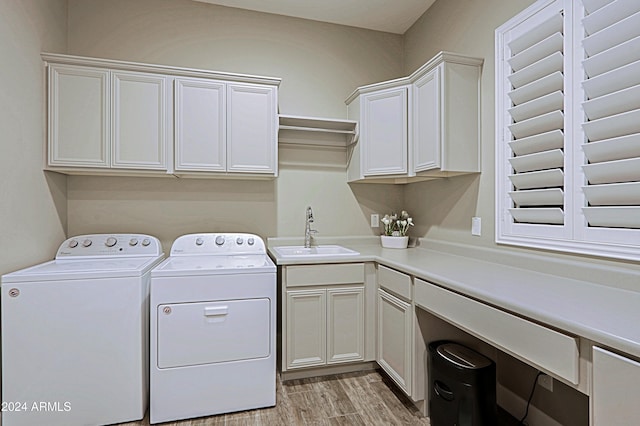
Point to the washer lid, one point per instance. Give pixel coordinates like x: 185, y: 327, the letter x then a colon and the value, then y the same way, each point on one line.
x: 216, y: 264
x: 84, y: 269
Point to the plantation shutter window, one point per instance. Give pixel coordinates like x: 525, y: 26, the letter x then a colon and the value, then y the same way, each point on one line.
x: 568, y: 128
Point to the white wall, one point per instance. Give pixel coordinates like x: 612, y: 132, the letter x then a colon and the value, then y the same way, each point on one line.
x: 320, y: 65
x: 33, y: 213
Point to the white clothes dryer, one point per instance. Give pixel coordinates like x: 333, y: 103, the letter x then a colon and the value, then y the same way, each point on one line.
x: 213, y: 328
x: 75, y: 333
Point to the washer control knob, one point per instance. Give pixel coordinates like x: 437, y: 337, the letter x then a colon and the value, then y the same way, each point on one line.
x: 250, y: 241
x: 199, y: 241
x: 86, y: 243
x: 111, y: 241
x: 73, y: 243
x: 146, y: 242
x: 133, y: 242
x: 220, y: 240
x: 239, y: 241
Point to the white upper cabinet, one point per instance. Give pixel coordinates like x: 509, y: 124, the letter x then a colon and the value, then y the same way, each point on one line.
x: 114, y: 117
x: 225, y: 127
x: 384, y: 119
x: 79, y: 123
x: 252, y: 126
x: 420, y: 127
x: 139, y: 134
x: 200, y: 125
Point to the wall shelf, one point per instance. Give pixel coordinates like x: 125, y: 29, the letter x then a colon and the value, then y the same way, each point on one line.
x: 298, y: 130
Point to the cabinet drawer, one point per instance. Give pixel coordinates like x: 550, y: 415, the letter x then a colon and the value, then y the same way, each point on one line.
x: 394, y: 281
x: 528, y: 341
x: 309, y: 275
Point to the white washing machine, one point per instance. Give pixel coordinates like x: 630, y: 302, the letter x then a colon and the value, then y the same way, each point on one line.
x: 75, y: 333
x: 213, y: 328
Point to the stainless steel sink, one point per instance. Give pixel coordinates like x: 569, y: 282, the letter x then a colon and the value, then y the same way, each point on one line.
x: 316, y: 251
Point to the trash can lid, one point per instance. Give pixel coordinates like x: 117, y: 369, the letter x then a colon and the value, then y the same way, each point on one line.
x: 463, y: 356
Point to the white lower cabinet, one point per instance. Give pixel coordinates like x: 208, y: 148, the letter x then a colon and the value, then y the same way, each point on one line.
x: 394, y: 339
x: 325, y: 326
x: 324, y: 315
x: 615, y: 389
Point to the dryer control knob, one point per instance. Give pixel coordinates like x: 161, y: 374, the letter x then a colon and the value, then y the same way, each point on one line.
x: 86, y: 243
x: 199, y: 241
x: 146, y: 242
x: 73, y: 243
x: 250, y: 241
x: 111, y: 241
x: 219, y: 240
x: 133, y: 242
x: 239, y: 241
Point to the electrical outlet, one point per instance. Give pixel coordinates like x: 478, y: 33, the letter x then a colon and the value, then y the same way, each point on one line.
x: 546, y: 382
x: 375, y: 220
x: 476, y: 226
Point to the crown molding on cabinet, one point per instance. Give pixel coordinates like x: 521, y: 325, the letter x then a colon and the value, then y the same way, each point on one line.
x: 62, y: 59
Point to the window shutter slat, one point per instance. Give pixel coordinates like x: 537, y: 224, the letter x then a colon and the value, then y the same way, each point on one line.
x: 609, y: 14
x: 545, y: 104
x: 537, y: 143
x: 538, y: 197
x: 546, y: 216
x: 538, y: 88
x: 538, y: 51
x: 593, y: 5
x: 537, y: 70
x: 609, y: 37
x: 612, y: 116
x: 613, y: 103
x: 538, y: 179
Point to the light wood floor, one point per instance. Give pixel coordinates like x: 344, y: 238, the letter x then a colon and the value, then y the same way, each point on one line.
x: 363, y: 398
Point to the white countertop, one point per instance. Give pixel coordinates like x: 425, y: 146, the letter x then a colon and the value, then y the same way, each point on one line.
x: 606, y: 315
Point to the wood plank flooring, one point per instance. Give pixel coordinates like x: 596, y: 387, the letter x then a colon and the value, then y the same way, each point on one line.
x: 363, y: 398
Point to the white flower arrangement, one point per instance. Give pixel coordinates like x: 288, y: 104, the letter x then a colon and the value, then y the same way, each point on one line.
x: 397, y: 225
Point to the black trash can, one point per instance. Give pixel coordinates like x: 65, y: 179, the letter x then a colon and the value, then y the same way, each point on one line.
x: 462, y: 386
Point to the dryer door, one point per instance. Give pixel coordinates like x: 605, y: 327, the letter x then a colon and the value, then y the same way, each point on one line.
x: 213, y: 332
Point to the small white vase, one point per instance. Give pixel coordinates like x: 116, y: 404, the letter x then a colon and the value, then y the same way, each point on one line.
x: 388, y: 241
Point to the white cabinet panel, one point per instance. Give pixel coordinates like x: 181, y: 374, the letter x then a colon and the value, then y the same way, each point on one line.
x: 426, y: 126
x: 252, y: 129
x: 615, y: 390
x: 200, y: 125
x: 345, y: 324
x: 139, y: 120
x: 384, y: 132
x: 78, y: 116
x: 306, y: 328
x: 394, y: 339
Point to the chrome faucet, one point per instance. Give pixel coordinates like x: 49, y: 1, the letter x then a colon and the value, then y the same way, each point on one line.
x: 307, y: 229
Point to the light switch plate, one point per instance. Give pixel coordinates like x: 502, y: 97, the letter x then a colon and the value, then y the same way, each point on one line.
x: 476, y: 226
x: 375, y: 220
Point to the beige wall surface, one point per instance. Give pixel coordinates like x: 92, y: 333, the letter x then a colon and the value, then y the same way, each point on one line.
x: 33, y: 208
x: 320, y: 65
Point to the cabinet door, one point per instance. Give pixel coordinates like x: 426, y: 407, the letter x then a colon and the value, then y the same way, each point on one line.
x: 78, y: 116
x: 384, y: 132
x: 616, y: 386
x: 139, y: 120
x: 394, y: 339
x: 252, y: 129
x: 306, y: 328
x: 426, y: 122
x: 200, y: 125
x: 345, y: 324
